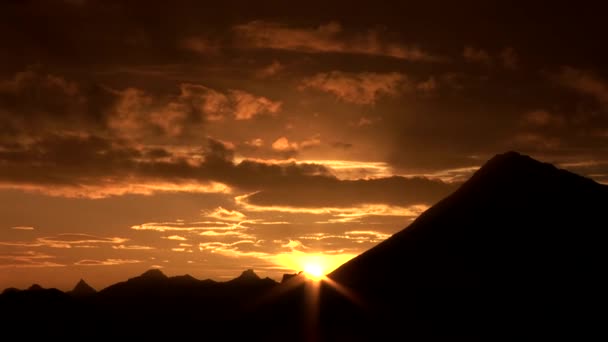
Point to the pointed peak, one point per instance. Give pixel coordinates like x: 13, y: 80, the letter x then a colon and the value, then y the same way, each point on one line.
x: 511, y: 166
x: 82, y: 288
x: 290, y: 276
x: 512, y: 158
x: 153, y: 273
x: 249, y: 274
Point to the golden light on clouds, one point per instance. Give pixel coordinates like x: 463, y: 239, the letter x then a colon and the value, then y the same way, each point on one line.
x: 259, y: 141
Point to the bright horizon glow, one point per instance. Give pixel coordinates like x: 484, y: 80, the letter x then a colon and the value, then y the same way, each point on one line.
x: 314, y: 271
x: 314, y: 265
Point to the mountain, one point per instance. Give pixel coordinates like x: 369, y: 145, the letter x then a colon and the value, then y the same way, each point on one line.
x: 517, y: 250
x: 519, y: 245
x: 250, y: 278
x: 82, y: 289
x: 35, y: 287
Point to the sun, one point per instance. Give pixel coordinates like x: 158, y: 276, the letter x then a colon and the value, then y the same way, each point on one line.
x: 314, y: 271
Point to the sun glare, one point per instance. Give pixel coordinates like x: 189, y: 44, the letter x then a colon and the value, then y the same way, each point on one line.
x: 314, y: 271
x: 314, y: 265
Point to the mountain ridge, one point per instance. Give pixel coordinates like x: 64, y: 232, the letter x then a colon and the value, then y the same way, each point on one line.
x: 517, y: 248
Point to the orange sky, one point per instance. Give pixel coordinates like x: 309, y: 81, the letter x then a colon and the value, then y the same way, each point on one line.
x: 208, y: 140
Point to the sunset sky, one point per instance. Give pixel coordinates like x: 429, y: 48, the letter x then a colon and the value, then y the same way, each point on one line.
x: 208, y: 138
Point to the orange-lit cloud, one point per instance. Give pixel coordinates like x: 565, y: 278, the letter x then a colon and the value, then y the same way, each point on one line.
x: 22, y: 228
x: 585, y: 82
x: 326, y: 38
x: 106, y: 262
x: 271, y: 70
x: 246, y: 105
x: 225, y: 214
x: 118, y: 189
x: 360, y: 88
x: 67, y: 241
x: 186, y: 227
x: 136, y: 113
x: 175, y: 237
x: 341, y: 212
x: 28, y: 259
x: 283, y: 144
x: 358, y: 236
x: 133, y: 247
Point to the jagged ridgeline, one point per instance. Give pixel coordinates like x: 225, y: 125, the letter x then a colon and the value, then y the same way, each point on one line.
x: 518, y: 249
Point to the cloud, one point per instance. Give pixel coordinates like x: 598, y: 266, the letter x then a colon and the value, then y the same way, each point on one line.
x: 66, y: 241
x: 27, y: 259
x: 360, y: 88
x: 171, y: 237
x: 584, y: 82
x: 357, y: 236
x: 22, y: 228
x: 331, y: 192
x: 476, y: 55
x: 283, y: 144
x: 35, y: 100
x: 34, y: 103
x: 133, y: 247
x: 246, y: 105
x: 270, y: 70
x: 507, y: 57
x: 137, y: 114
x: 182, y: 226
x: 428, y: 86
x: 106, y: 262
x: 256, y: 143
x: 326, y: 38
x: 542, y: 118
x: 200, y: 45
x: 225, y: 214
x: 78, y: 164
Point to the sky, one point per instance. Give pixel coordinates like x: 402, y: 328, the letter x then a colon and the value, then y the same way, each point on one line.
x: 208, y: 138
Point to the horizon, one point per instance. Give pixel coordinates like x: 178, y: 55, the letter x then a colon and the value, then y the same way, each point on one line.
x: 272, y: 136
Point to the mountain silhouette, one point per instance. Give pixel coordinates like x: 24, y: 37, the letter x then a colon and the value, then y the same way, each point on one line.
x: 82, y: 289
x: 519, y: 240
x: 35, y: 287
x: 517, y: 250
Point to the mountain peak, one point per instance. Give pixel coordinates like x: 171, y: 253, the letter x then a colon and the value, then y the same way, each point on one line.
x: 511, y: 159
x: 153, y: 273
x: 249, y: 275
x: 512, y: 169
x: 82, y: 288
x: 35, y: 287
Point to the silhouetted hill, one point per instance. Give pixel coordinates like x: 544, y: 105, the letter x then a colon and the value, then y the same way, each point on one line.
x: 520, y: 240
x: 250, y: 278
x: 289, y: 276
x: 35, y: 287
x: 517, y: 250
x: 82, y: 289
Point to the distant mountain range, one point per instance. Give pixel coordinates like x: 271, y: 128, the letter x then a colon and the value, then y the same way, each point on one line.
x: 518, y: 250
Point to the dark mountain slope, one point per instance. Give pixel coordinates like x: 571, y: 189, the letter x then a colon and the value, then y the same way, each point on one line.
x: 518, y: 241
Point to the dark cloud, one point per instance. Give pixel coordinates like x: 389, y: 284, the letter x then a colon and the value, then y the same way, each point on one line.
x: 76, y: 161
x: 331, y: 192
x: 272, y: 126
